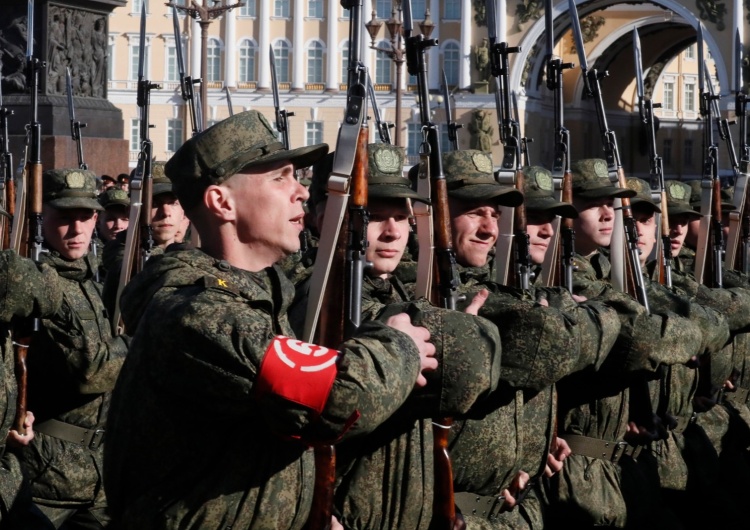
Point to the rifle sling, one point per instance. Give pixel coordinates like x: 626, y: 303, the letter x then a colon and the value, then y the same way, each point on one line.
x: 484, y: 506
x: 91, y: 438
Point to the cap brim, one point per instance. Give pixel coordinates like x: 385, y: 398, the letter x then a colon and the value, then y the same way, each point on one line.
x: 605, y: 192
x: 386, y: 191
x: 643, y: 203
x: 674, y: 211
x: 504, y: 196
x: 116, y: 203
x: 158, y: 189
x: 551, y: 206
x: 300, y: 157
x: 69, y: 203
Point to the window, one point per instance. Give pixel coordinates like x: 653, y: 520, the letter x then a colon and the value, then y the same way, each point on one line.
x: 137, y: 5
x: 313, y: 132
x: 687, y: 156
x: 413, y: 138
x: 111, y: 60
x: 418, y: 8
x: 345, y: 14
x: 315, y: 63
x: 247, y: 61
x: 668, y: 102
x: 451, y: 60
x: 315, y: 9
x: 445, y: 141
x: 173, y: 73
x: 213, y: 70
x: 383, y: 8
x: 135, y: 59
x: 452, y: 9
x: 382, y: 67
x: 281, y: 8
x: 667, y: 156
x: 281, y: 59
x: 690, y: 97
x: 690, y: 52
x: 135, y: 134
x: 174, y: 135
x: 248, y: 10
x: 345, y: 63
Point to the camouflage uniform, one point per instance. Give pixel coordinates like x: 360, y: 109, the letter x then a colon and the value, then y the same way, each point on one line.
x: 207, y: 372
x: 73, y: 363
x: 112, y: 198
x: 595, y: 404
x: 27, y: 292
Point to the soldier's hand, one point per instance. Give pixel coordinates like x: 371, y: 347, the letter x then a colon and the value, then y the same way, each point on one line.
x: 335, y: 524
x: 477, y: 302
x: 578, y: 298
x: 559, y: 451
x: 18, y: 440
x: 421, y: 337
x: 512, y: 495
x: 459, y: 523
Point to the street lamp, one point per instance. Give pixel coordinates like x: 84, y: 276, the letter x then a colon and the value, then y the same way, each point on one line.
x: 396, y: 53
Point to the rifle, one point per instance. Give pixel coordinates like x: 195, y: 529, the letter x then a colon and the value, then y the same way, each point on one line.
x: 342, y: 248
x: 646, y: 107
x: 525, y: 141
x: 738, y: 242
x: 707, y: 270
x: 7, y: 184
x: 229, y: 101
x: 591, y: 77
x: 75, y: 125
x: 140, y: 186
x: 445, y: 279
x: 520, y: 272
x: 282, y: 115
x: 186, y: 82
x: 31, y: 194
x: 450, y: 121
x: 383, y: 127
x: 558, y: 264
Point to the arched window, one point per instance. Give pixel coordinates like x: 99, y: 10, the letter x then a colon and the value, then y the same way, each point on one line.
x: 315, y: 63
x: 247, y: 61
x: 383, y: 66
x: 281, y: 59
x: 451, y: 61
x: 213, y: 55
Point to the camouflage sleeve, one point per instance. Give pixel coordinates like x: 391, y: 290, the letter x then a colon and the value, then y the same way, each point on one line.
x: 215, y: 348
x: 25, y: 289
x: 732, y: 303
x: 94, y: 361
x: 11, y: 483
x: 469, y: 359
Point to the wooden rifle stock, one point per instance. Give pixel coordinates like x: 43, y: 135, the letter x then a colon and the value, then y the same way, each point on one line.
x: 713, y: 273
x: 663, y: 274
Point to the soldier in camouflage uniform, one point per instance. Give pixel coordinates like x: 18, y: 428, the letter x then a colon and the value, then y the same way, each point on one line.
x: 228, y: 357
x: 725, y: 425
x: 28, y: 292
x: 603, y: 482
x: 113, y: 220
x: 73, y: 363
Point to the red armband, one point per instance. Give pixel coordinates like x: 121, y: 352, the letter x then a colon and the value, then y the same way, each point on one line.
x: 297, y: 371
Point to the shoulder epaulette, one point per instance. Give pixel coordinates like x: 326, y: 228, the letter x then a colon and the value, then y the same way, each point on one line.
x: 212, y: 282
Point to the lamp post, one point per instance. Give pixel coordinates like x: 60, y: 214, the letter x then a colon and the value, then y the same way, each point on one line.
x: 396, y: 53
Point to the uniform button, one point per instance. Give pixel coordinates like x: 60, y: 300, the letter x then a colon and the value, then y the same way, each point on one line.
x: 224, y: 266
x: 220, y: 171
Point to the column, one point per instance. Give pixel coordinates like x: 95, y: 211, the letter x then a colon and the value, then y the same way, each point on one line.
x: 230, y: 48
x: 333, y: 76
x: 195, y: 49
x: 264, y: 43
x: 433, y: 66
x: 367, y: 53
x: 298, y: 48
x: 467, y: 19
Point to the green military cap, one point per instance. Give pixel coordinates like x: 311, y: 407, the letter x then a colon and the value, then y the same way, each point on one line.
x: 643, y: 194
x: 695, y: 196
x: 469, y: 176
x: 539, y: 193
x: 678, y: 199
x: 591, y: 180
x: 239, y: 142
x: 386, y: 174
x: 161, y: 183
x: 70, y: 188
x: 114, y: 197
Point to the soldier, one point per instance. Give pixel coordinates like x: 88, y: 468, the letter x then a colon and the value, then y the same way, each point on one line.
x: 113, y: 220
x: 229, y: 358
x: 73, y: 362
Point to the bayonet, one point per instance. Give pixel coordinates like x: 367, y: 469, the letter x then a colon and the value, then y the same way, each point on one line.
x: 282, y: 116
x: 75, y: 125
x: 186, y: 82
x: 383, y: 128
x: 229, y: 101
x: 450, y: 122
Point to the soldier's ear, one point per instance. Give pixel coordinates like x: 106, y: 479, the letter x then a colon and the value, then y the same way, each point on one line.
x: 220, y: 202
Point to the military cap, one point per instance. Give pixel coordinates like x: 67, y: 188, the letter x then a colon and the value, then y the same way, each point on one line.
x: 386, y: 179
x: 161, y: 183
x: 678, y: 199
x: 643, y: 194
x: 239, y: 142
x: 70, y: 188
x: 469, y: 176
x: 114, y: 197
x: 695, y: 196
x: 591, y: 180
x: 109, y: 178
x: 539, y: 193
